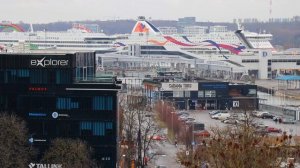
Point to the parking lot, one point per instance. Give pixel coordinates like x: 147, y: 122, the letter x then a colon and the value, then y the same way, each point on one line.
x: 204, y: 117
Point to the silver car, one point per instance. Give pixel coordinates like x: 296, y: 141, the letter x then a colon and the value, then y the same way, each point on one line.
x: 288, y: 121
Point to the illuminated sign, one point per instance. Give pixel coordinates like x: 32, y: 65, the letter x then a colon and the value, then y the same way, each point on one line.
x: 38, y: 89
x: 214, y: 86
x: 54, y: 114
x: 264, y: 54
x: 42, y: 165
x: 252, y: 91
x: 179, y: 86
x: 37, y: 114
x: 48, y: 62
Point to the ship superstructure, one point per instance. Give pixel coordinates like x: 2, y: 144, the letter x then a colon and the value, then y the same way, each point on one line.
x: 79, y: 37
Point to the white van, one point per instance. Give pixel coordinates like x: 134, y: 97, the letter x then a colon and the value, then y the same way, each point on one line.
x: 221, y: 116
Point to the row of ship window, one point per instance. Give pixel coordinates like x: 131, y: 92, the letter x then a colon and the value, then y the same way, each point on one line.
x: 74, y: 42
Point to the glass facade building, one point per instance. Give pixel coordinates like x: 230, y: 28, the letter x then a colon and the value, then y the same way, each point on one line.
x: 59, y: 97
x: 203, y: 95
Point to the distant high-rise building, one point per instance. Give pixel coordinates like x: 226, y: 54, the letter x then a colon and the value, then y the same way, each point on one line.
x: 296, y: 18
x: 186, y: 21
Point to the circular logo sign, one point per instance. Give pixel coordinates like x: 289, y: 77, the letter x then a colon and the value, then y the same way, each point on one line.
x: 55, y: 114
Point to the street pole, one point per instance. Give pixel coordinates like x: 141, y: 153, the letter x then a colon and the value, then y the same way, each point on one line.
x: 193, y: 143
x: 139, y: 139
x: 172, y: 122
x: 193, y: 138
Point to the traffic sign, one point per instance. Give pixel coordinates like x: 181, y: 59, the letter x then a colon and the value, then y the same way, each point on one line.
x: 235, y: 104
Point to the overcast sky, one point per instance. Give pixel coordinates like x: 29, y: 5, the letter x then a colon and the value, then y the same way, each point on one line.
x: 44, y: 11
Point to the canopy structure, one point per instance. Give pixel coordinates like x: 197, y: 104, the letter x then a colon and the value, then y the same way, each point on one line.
x: 289, y: 77
x: 288, y: 82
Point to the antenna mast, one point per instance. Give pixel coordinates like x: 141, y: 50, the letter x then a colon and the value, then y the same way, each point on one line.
x: 270, y: 9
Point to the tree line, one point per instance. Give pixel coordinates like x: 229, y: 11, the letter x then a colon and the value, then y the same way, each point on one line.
x: 16, y: 151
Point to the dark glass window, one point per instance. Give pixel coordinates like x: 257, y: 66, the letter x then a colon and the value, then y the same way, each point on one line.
x: 38, y: 76
x: 153, y: 47
x: 89, y: 128
x: 66, y: 104
x: 63, y: 76
x: 102, y: 103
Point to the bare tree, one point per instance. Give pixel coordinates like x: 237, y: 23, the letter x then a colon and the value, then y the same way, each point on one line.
x: 139, y: 127
x: 240, y: 146
x: 70, y: 153
x: 14, y: 148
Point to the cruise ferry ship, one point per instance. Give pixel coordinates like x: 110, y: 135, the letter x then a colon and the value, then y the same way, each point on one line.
x: 253, y: 54
x: 79, y: 37
x: 219, y: 44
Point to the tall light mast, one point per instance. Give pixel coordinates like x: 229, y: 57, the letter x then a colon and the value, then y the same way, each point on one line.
x: 270, y: 9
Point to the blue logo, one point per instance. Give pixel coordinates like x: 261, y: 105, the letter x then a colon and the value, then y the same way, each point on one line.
x: 264, y: 54
x: 54, y: 114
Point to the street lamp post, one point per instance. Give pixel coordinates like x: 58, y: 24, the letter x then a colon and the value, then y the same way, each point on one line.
x: 172, y: 120
x: 187, y: 104
x: 193, y: 137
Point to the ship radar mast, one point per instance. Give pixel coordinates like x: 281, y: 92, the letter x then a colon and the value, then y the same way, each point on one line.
x: 141, y: 18
x: 240, y: 26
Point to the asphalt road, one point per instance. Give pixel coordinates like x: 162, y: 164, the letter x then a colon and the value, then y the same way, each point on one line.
x: 169, y: 157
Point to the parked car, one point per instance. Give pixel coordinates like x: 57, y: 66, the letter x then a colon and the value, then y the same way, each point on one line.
x: 254, y: 113
x: 214, y: 112
x: 261, y: 130
x: 202, y: 133
x: 273, y: 129
x: 230, y: 121
x: 189, y: 122
x: 190, y: 119
x: 266, y: 115
x: 158, y: 137
x: 182, y: 112
x: 288, y: 121
x: 243, y: 117
x: 161, y: 166
x: 260, y: 125
x: 221, y: 116
x: 183, y: 118
x: 260, y: 114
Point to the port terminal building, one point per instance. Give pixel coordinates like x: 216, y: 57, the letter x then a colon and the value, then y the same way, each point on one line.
x: 201, y: 94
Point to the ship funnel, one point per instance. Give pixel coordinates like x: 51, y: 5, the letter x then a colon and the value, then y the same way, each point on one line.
x: 144, y: 26
x: 240, y: 26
